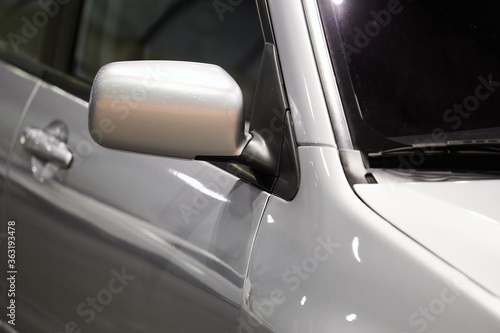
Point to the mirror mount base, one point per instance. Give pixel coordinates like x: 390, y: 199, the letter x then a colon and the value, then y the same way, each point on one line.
x: 257, y: 155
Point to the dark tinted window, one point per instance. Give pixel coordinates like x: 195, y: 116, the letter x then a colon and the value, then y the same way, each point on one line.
x: 189, y: 30
x: 411, y: 68
x: 23, y: 27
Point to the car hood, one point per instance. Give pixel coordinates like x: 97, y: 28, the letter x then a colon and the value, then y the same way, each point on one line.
x: 457, y: 221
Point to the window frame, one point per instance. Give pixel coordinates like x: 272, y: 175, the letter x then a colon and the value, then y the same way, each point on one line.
x: 57, y: 54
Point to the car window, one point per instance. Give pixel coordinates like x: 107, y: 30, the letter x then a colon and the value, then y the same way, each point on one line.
x: 421, y: 71
x: 189, y: 30
x: 23, y: 27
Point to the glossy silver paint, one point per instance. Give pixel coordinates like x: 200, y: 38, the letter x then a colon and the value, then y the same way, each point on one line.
x: 327, y: 75
x: 326, y: 262
x: 305, y: 94
x: 182, y: 229
x: 15, y: 96
x: 168, y: 108
x: 461, y: 228
x: 211, y: 253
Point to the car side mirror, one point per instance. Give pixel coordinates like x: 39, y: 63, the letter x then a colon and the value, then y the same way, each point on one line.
x: 195, y: 111
x: 168, y: 108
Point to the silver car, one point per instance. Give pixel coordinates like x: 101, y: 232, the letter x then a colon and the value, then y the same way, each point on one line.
x: 249, y: 166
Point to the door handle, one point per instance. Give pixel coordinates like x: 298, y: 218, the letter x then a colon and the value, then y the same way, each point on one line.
x: 46, y: 146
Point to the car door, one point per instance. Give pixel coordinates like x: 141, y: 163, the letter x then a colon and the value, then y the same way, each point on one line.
x: 13, y: 98
x: 16, y: 92
x: 120, y: 242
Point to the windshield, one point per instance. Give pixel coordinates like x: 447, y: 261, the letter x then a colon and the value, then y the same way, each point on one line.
x: 416, y: 71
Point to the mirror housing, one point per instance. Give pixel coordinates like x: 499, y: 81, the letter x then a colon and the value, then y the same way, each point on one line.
x: 195, y: 111
x: 168, y: 108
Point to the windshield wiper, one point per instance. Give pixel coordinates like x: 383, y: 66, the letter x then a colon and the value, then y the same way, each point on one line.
x: 455, y: 147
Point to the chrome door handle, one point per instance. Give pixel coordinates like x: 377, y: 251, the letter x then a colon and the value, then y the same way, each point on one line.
x: 46, y: 146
